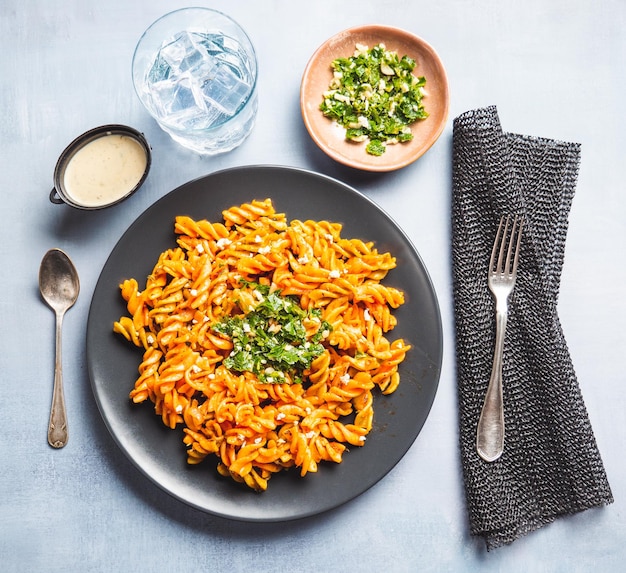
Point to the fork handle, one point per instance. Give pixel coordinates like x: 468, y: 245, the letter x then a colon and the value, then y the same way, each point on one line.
x: 490, y: 432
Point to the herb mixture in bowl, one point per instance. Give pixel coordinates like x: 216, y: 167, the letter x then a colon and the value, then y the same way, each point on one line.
x: 375, y: 97
x: 392, y: 89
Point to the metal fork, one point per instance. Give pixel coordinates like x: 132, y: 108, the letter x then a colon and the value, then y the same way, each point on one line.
x: 502, y: 274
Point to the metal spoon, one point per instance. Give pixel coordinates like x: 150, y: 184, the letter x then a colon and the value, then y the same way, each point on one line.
x: 59, y: 286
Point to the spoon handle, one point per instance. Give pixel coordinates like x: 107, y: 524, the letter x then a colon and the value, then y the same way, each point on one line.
x: 57, y: 428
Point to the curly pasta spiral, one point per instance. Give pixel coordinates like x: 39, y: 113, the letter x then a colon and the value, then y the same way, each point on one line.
x: 257, y: 429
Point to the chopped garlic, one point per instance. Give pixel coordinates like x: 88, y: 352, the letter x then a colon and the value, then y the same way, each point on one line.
x: 387, y: 69
x: 341, y: 97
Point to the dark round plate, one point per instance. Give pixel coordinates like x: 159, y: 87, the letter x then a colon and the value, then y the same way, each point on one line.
x: 159, y: 452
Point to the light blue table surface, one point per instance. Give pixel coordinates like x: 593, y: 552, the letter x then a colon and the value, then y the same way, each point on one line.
x: 554, y: 68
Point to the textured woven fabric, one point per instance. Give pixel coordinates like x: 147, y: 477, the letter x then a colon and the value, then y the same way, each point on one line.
x: 551, y: 465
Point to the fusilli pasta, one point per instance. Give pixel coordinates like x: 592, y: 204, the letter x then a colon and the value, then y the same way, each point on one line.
x: 260, y: 422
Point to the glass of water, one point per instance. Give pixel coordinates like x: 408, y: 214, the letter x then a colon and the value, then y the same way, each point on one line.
x: 195, y: 71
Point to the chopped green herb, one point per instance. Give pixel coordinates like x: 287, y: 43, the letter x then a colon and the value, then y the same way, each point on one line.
x: 375, y: 96
x: 375, y: 147
x: 271, y: 341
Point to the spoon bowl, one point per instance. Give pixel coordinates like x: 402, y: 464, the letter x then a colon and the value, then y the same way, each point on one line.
x: 59, y: 287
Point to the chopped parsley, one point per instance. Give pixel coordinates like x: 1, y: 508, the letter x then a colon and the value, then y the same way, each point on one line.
x: 271, y: 341
x: 375, y: 96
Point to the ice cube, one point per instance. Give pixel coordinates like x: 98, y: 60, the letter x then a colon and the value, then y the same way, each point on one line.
x: 173, y: 95
x: 212, y: 43
x: 224, y: 89
x: 182, y: 53
x: 160, y: 70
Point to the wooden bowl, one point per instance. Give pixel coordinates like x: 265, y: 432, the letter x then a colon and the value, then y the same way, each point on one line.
x: 330, y: 136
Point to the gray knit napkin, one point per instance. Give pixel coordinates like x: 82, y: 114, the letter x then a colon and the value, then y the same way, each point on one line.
x: 551, y: 465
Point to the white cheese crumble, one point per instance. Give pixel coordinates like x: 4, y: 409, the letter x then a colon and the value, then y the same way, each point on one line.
x: 363, y: 122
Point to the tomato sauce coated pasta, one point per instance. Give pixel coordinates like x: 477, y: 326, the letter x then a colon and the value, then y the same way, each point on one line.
x: 257, y: 428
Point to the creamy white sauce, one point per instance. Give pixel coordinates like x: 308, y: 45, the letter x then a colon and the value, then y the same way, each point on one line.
x: 104, y: 170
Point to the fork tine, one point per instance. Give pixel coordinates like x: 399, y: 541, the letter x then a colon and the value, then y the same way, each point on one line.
x: 497, y: 243
x: 510, y: 239
x: 517, y: 246
x: 502, y: 267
